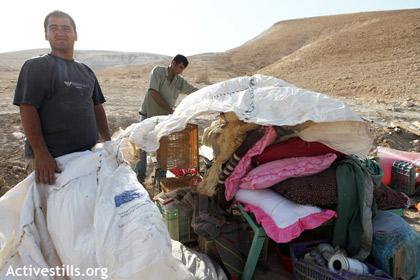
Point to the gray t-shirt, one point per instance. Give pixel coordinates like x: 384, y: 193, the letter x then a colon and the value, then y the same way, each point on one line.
x: 64, y: 92
x: 168, y: 90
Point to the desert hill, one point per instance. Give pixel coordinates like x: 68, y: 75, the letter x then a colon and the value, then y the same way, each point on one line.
x: 12, y: 61
x: 370, y: 56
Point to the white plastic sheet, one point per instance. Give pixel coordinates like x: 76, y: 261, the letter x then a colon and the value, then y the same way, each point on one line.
x: 262, y: 100
x: 199, y: 264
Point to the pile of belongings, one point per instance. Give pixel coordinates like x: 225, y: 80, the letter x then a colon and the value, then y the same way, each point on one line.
x: 97, y: 215
x: 292, y: 185
x: 294, y: 158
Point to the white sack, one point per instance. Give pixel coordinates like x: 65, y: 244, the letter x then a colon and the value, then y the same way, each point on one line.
x: 70, y: 210
x: 97, y: 215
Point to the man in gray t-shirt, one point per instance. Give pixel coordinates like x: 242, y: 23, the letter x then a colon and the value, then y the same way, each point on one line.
x: 163, y: 89
x: 60, y: 101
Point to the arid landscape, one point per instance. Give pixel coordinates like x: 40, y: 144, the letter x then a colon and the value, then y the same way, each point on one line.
x: 371, y: 61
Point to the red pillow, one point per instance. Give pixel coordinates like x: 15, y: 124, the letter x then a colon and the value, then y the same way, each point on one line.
x: 293, y: 147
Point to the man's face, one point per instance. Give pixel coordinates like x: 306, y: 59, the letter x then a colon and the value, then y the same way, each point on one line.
x: 60, y: 33
x: 177, y: 68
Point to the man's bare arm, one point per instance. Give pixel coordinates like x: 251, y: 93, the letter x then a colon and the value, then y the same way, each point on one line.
x: 45, y: 165
x: 160, y: 101
x: 102, y: 122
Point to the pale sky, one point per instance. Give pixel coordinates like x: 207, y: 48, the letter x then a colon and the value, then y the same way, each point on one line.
x: 167, y: 27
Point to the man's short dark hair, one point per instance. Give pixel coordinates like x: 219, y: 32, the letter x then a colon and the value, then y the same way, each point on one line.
x: 58, y: 13
x: 180, y: 58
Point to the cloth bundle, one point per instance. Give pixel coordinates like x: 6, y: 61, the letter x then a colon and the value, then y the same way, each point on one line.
x: 319, y: 189
x: 280, y: 225
x: 293, y: 147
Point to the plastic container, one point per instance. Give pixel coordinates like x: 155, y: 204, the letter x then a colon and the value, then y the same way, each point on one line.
x: 403, y: 177
x: 179, y: 149
x: 387, y: 156
x: 178, y: 224
x: 306, y: 270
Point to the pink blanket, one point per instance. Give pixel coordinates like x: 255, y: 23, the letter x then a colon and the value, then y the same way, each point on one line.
x: 271, y: 173
x: 244, y: 165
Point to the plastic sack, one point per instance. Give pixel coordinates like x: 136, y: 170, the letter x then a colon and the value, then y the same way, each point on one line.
x: 392, y: 234
x: 96, y: 216
x: 24, y: 238
x: 199, y: 264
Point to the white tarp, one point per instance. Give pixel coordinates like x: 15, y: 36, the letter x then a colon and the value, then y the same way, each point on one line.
x: 265, y: 101
x: 199, y: 264
x: 96, y: 216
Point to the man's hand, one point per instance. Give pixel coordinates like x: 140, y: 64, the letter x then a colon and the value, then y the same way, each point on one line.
x: 45, y: 168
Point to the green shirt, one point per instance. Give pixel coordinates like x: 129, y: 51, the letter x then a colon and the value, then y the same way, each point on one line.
x: 169, y: 91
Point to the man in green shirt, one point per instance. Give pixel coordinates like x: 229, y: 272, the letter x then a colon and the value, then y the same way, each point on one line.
x: 165, y: 85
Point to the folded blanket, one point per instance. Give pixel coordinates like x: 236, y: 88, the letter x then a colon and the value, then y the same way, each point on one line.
x: 293, y: 147
x: 271, y: 173
x: 319, y: 189
x: 387, y: 198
